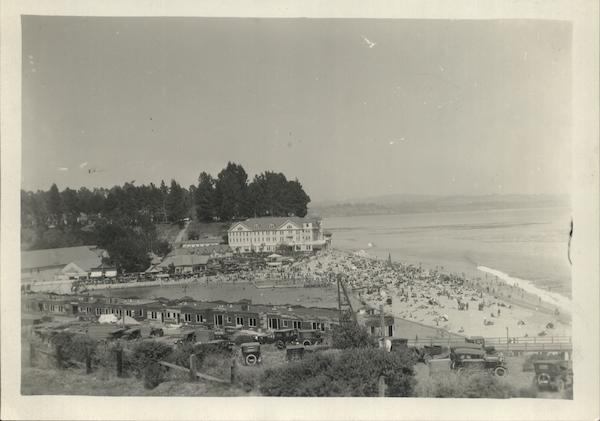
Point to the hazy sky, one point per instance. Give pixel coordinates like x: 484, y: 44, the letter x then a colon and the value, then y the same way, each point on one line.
x: 352, y: 108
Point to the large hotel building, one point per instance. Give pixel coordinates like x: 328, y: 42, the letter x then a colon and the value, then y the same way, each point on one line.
x: 266, y: 234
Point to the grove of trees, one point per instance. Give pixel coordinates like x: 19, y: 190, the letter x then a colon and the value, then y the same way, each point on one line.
x: 123, y: 219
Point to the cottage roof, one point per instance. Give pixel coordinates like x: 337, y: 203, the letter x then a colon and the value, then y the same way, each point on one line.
x: 38, y: 259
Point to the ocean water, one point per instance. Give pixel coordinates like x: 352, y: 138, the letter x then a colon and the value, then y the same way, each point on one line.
x: 524, y: 246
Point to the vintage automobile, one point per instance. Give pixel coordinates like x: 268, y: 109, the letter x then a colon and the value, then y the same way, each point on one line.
x: 399, y: 344
x: 215, y: 346
x: 281, y: 337
x: 294, y: 353
x: 426, y: 353
x: 552, y: 375
x: 251, y: 353
x: 309, y: 337
x: 462, y: 359
x: 480, y: 340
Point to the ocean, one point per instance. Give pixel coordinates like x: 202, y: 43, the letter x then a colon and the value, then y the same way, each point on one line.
x: 524, y: 246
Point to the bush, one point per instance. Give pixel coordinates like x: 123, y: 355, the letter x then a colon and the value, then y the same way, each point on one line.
x: 154, y: 374
x: 248, y: 378
x: 70, y: 346
x: 181, y: 354
x: 146, y: 353
x: 355, y: 372
x: 467, y: 385
x: 303, y: 378
x: 350, y: 335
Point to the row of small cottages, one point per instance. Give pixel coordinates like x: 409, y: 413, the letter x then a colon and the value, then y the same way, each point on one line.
x: 242, y: 315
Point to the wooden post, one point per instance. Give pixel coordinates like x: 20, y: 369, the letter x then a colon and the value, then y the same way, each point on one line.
x: 193, y: 367
x: 234, y: 370
x: 88, y: 364
x: 381, y: 386
x: 381, y: 321
x: 31, y: 354
x: 119, y: 362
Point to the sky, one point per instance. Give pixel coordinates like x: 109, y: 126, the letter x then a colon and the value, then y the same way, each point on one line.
x: 350, y: 107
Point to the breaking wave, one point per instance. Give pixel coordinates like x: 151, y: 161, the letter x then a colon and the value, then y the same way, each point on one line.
x: 549, y: 297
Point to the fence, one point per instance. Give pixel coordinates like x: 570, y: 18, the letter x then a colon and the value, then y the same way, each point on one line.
x: 519, y: 344
x: 53, y: 353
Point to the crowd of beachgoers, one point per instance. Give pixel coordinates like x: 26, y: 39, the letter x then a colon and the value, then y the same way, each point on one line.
x: 483, y: 306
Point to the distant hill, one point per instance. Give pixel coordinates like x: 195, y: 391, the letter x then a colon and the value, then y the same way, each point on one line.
x: 410, y: 203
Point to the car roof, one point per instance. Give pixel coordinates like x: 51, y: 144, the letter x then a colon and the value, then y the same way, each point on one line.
x: 468, y: 351
x: 555, y: 362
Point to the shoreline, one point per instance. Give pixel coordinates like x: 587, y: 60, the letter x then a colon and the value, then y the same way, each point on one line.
x: 530, y: 290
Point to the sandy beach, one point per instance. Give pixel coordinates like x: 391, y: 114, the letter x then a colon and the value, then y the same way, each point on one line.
x: 434, y: 298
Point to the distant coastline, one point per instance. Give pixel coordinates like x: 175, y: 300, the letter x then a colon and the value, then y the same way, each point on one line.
x: 406, y: 204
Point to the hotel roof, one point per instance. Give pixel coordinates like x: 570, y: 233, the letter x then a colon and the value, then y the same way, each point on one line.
x: 273, y: 222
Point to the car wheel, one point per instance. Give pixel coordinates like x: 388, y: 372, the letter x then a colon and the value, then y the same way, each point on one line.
x: 306, y: 343
x: 500, y: 371
x: 251, y: 359
x: 280, y: 345
x: 427, y: 358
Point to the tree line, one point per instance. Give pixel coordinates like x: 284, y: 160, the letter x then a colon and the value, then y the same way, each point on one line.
x: 123, y: 219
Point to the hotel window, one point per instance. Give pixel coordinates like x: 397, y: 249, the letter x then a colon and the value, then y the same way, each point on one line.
x: 128, y: 313
x: 187, y: 317
x: 200, y: 318
x: 297, y: 325
x: 252, y: 322
x: 153, y: 315
x: 228, y: 319
x: 239, y: 321
x: 285, y: 323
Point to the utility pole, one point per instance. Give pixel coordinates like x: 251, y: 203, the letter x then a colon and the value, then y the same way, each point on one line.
x: 382, y: 322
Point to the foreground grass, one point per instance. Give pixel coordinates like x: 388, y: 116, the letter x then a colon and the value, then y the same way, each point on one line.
x: 38, y: 381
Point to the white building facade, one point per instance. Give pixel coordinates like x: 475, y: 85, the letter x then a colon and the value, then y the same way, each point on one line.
x: 267, y: 234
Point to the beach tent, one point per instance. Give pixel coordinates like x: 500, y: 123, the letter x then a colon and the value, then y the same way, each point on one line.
x: 107, y: 318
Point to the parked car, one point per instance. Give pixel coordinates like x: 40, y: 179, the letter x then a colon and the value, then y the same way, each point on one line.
x: 462, y: 359
x: 282, y: 337
x: 294, y: 353
x: 309, y: 337
x: 426, y: 353
x: 552, y: 374
x: 399, y: 344
x: 480, y: 340
x: 251, y: 353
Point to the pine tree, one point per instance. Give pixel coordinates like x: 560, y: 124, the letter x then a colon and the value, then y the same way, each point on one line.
x: 205, y: 197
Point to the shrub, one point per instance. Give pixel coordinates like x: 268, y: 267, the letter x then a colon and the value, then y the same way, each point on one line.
x: 181, y: 354
x: 355, y: 372
x: 303, y: 378
x: 154, y: 374
x: 467, y: 385
x: 350, y: 335
x: 70, y: 346
x: 360, y: 369
x: 148, y: 352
